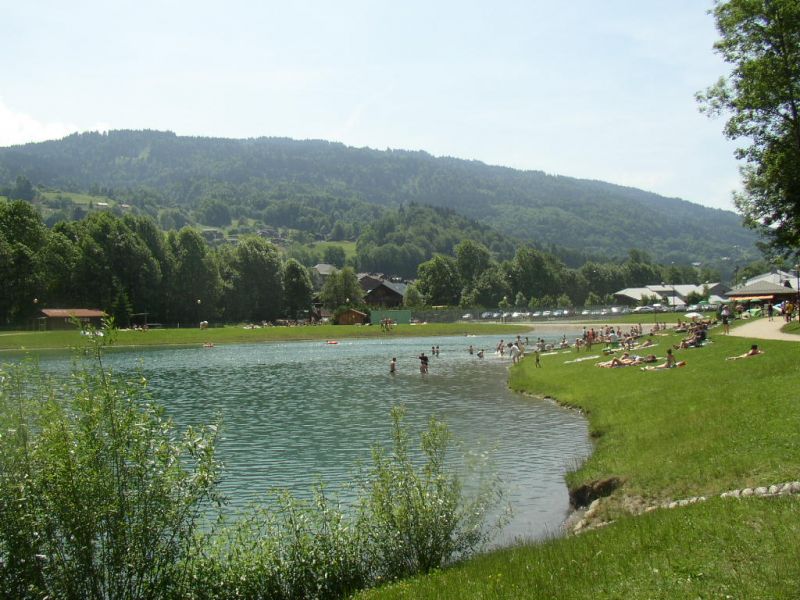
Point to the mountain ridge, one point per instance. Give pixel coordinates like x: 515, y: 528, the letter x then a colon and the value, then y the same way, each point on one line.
x: 588, y: 214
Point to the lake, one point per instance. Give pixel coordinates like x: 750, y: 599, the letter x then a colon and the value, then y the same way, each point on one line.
x: 298, y: 413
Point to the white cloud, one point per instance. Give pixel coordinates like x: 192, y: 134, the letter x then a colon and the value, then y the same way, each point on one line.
x: 20, y: 128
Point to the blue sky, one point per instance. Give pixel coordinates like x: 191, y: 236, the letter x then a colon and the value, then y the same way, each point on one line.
x: 596, y: 90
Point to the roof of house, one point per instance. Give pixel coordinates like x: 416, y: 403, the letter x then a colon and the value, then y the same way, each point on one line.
x: 396, y: 287
x: 675, y: 294
x: 776, y: 277
x: 78, y: 313
x: 368, y: 281
x: 760, y: 288
x: 324, y: 269
x: 635, y: 293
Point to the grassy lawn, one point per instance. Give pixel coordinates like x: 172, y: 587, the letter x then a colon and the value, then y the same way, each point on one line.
x: 719, y: 549
x: 793, y: 327
x: 30, y: 340
x: 78, y: 198
x: 348, y: 247
x: 711, y: 426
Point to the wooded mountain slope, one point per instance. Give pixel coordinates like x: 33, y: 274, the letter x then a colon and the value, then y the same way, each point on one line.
x: 594, y: 216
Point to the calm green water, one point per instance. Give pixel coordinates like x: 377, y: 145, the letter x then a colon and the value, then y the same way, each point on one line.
x: 302, y: 412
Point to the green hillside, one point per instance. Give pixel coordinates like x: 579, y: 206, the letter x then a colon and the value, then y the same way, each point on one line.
x: 311, y: 185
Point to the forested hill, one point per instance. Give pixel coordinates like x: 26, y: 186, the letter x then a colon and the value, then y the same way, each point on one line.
x: 255, y: 174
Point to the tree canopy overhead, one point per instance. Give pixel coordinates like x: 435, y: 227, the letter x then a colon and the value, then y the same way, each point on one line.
x: 761, y: 41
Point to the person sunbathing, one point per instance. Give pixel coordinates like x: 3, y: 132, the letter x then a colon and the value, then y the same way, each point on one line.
x: 695, y: 339
x: 623, y: 361
x: 669, y: 363
x: 754, y: 351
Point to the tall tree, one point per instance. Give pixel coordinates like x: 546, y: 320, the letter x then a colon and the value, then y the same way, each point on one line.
x: 298, y: 288
x: 256, y: 288
x: 22, y: 190
x: 334, y: 255
x: 341, y: 288
x: 535, y: 273
x: 472, y: 258
x: 196, y: 286
x: 115, y: 262
x: 761, y: 40
x: 22, y: 236
x: 438, y: 280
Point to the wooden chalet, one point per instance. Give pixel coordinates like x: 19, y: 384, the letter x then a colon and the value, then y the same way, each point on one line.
x: 352, y: 317
x: 62, y: 318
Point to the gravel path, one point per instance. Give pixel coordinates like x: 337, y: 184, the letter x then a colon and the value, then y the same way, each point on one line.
x: 764, y: 329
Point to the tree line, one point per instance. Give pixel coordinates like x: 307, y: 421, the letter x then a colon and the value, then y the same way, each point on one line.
x: 127, y: 265
x: 533, y: 278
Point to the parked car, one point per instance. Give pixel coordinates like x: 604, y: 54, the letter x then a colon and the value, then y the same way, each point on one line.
x: 537, y: 313
x: 487, y: 315
x: 644, y: 309
x: 466, y: 316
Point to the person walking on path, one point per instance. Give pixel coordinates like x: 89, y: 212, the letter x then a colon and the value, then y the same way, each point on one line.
x: 726, y: 319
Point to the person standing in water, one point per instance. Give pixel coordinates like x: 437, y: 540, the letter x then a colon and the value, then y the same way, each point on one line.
x: 393, y: 366
x: 423, y: 364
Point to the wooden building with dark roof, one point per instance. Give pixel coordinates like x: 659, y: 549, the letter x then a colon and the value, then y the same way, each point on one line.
x: 63, y: 318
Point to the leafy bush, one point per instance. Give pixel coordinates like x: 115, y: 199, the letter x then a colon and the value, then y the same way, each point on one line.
x: 418, y: 518
x: 98, y: 496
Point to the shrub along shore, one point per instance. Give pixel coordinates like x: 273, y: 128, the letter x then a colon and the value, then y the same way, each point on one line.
x: 660, y: 436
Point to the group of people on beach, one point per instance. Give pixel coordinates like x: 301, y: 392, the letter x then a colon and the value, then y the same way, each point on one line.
x: 614, y: 339
x: 697, y: 337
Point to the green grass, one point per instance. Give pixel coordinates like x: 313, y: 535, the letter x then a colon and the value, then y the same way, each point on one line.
x: 348, y: 247
x: 711, y: 426
x: 793, y: 327
x: 84, y: 199
x: 719, y: 549
x: 30, y: 340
